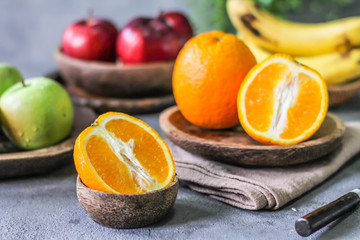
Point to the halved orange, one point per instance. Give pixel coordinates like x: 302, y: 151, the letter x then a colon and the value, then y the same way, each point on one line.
x: 121, y: 154
x: 281, y: 101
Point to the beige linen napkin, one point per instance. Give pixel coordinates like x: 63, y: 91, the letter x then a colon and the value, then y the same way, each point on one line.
x: 261, y: 188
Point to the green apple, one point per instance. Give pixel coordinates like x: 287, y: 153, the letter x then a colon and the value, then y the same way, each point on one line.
x: 9, y: 76
x: 36, y: 113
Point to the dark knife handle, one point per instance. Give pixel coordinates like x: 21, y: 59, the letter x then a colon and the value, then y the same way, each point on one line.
x: 326, y: 214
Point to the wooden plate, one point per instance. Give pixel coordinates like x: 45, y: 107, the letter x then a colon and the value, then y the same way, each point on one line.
x: 24, y: 163
x: 105, y: 104
x: 236, y: 147
x: 339, y: 94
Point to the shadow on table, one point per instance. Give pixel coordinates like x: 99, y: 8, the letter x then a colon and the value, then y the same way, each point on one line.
x: 60, y: 172
x: 184, y: 212
x: 65, y: 171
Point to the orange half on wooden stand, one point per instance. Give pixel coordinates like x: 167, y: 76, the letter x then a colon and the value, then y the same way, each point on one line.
x: 121, y: 154
x: 281, y: 101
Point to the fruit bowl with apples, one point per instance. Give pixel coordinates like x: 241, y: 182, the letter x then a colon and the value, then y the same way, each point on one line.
x: 134, y: 62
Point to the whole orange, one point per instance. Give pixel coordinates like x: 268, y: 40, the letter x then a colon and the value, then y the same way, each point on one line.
x: 207, y: 76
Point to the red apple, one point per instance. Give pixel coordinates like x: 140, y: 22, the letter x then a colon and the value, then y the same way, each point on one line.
x: 147, y: 40
x: 179, y: 23
x: 91, y: 39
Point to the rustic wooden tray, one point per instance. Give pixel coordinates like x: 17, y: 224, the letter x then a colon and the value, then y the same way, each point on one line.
x: 16, y: 163
x: 236, y: 147
x: 101, y: 104
x: 341, y: 93
x: 129, y: 106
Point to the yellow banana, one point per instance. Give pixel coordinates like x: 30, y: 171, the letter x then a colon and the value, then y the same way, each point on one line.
x: 334, y: 67
x: 300, y: 39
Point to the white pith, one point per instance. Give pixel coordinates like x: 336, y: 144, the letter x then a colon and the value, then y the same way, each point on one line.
x: 124, y: 151
x: 285, y: 94
x: 285, y: 97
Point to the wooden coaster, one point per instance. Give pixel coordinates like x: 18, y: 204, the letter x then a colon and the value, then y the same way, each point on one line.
x: 236, y: 147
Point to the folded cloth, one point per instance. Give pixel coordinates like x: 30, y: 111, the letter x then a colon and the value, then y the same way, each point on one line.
x: 261, y: 188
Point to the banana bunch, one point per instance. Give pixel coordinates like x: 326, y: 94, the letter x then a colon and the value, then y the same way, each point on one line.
x: 330, y: 48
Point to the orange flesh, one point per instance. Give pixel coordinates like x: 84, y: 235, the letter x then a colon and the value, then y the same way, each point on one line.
x: 110, y: 169
x: 281, y: 101
x: 307, y: 108
x: 113, y: 171
x: 153, y: 159
x: 260, y: 99
x: 122, y: 154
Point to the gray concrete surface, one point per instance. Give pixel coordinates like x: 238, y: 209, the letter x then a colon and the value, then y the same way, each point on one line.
x: 46, y: 207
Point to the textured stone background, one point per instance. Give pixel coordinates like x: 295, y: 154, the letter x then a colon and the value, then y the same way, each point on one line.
x: 46, y: 207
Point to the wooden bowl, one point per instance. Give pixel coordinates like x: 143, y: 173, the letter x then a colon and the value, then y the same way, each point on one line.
x: 115, y: 79
x: 341, y: 93
x: 234, y: 146
x: 127, y: 210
